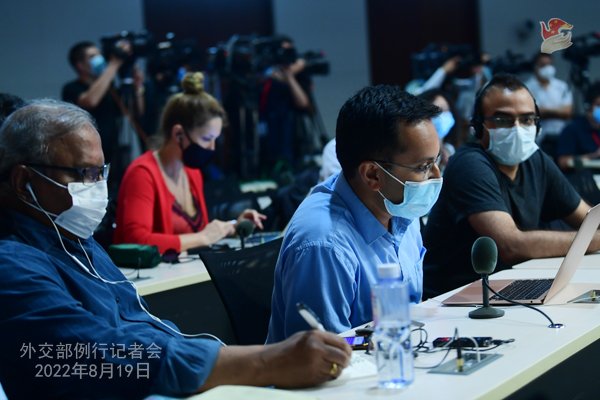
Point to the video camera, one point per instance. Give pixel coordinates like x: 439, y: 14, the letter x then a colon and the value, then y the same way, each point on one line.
x: 141, y: 45
x: 168, y: 57
x: 579, y: 54
x: 510, y: 63
x: 435, y: 55
x: 248, y: 56
x: 583, y: 47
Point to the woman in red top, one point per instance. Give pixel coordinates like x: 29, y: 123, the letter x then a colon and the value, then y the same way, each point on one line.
x: 161, y: 200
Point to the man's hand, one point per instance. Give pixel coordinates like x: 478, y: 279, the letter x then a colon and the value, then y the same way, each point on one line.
x: 451, y: 64
x: 305, y: 359
x: 253, y: 216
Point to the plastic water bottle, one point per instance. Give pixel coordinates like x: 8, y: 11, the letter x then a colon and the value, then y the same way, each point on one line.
x: 391, y: 337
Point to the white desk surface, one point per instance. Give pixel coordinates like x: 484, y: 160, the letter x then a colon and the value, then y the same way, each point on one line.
x: 168, y: 276
x: 590, y: 261
x: 536, y: 348
x: 594, y: 163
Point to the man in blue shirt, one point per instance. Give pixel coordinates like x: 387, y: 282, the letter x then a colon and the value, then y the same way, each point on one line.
x: 362, y: 217
x: 581, y: 137
x: 72, y: 327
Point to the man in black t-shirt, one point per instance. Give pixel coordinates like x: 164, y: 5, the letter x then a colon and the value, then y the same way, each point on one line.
x: 93, y: 86
x: 501, y: 187
x: 285, y: 97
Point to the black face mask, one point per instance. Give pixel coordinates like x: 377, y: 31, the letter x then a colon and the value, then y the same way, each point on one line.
x: 195, y: 156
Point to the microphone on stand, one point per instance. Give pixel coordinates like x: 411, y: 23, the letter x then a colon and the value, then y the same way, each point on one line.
x: 484, y: 256
x: 244, y: 229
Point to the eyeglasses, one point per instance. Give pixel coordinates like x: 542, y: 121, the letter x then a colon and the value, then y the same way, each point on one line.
x: 426, y: 169
x: 509, y: 122
x: 89, y: 175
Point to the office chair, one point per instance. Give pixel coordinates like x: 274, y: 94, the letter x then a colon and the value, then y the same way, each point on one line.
x: 583, y: 182
x: 244, y: 280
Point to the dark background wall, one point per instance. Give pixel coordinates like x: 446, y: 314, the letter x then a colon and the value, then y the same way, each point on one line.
x: 400, y: 28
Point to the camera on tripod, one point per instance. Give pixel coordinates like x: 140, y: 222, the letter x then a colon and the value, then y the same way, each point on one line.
x: 435, y: 55
x: 583, y: 47
x: 510, y: 63
x: 578, y: 54
x: 246, y: 57
x: 141, y: 44
x: 168, y: 57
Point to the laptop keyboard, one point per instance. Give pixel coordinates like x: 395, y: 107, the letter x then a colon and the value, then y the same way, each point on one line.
x: 525, y: 289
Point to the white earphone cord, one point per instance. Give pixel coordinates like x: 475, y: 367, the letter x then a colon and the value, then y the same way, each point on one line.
x: 97, y: 276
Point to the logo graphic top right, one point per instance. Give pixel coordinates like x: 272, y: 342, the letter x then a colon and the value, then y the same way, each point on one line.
x: 553, y: 37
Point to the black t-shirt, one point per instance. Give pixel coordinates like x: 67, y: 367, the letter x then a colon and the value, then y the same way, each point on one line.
x: 473, y: 183
x: 282, y: 118
x: 105, y: 114
x: 578, y: 138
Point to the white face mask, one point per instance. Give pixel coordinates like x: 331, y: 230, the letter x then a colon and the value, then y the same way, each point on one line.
x: 89, y: 207
x: 511, y: 146
x: 547, y: 71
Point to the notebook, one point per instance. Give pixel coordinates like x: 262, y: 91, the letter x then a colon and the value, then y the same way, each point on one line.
x: 472, y: 294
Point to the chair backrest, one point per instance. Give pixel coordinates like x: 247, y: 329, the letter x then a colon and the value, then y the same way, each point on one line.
x: 244, y: 280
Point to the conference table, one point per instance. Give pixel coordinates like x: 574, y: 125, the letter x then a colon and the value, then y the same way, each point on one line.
x: 541, y: 363
x: 556, y: 363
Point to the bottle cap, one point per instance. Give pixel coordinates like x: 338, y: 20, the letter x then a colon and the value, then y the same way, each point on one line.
x: 388, y: 271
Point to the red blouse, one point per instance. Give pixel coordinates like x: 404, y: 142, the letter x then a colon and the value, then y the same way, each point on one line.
x: 145, y: 205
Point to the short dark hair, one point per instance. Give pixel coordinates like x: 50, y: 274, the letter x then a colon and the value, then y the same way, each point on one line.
x: 537, y: 57
x: 77, y: 52
x: 592, y: 94
x: 432, y: 94
x: 368, y: 125
x: 498, y: 81
x: 9, y: 103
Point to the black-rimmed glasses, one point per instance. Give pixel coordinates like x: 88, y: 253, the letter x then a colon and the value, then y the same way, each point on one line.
x: 509, y: 122
x: 89, y: 175
x: 426, y: 169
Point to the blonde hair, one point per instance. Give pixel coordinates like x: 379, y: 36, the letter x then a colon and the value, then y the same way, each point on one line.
x: 191, y: 108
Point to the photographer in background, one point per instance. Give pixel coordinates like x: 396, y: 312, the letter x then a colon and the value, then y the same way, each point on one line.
x: 580, y: 138
x: 285, y: 96
x: 555, y: 100
x: 90, y: 90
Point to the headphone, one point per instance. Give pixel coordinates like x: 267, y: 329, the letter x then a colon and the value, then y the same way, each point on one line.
x: 477, y: 121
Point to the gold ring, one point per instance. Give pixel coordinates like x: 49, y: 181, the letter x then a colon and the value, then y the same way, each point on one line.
x: 333, y: 370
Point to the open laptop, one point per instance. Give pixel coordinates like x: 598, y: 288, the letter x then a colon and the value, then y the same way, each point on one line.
x: 535, y: 291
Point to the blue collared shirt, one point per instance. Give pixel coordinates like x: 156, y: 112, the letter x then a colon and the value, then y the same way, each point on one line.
x: 56, y: 321
x: 329, y: 260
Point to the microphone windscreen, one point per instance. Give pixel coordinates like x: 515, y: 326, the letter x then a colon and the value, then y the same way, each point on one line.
x: 245, y: 228
x: 484, y: 255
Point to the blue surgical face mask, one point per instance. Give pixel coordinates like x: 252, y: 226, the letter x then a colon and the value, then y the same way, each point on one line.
x: 419, y: 197
x: 597, y: 114
x: 98, y: 64
x: 443, y: 123
x: 511, y: 146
